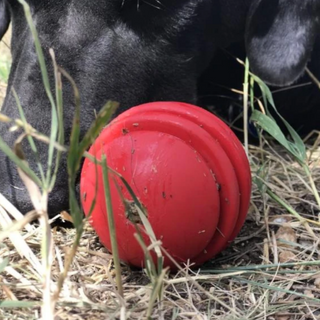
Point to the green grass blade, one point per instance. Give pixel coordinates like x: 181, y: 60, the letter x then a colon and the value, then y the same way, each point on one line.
x: 39, y: 51
x: 53, y: 138
x: 276, y: 289
x: 245, y: 106
x: 4, y: 71
x: 103, y: 117
x: 73, y: 158
x: 111, y: 223
x: 4, y: 263
x: 297, y: 148
x: 9, y: 304
x: 266, y: 93
x: 259, y: 178
x: 270, y: 126
x: 59, y: 102
x: 45, y: 79
x: 20, y: 163
x: 77, y: 148
x: 30, y: 138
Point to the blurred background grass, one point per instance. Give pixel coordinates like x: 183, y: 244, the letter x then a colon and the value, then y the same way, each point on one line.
x: 5, y: 62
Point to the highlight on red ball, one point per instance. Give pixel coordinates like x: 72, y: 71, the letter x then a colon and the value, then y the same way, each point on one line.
x: 187, y: 169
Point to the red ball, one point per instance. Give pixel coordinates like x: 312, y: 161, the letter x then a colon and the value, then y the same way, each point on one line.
x: 187, y: 169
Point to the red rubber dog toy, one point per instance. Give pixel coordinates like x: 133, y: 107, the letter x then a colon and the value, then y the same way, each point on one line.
x: 188, y: 170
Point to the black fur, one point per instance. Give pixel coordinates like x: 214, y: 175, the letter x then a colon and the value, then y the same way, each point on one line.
x: 4, y: 18
x: 280, y: 37
x: 136, y: 51
x: 298, y: 103
x: 113, y: 50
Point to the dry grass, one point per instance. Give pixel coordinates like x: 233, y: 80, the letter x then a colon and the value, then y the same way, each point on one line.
x: 270, y: 272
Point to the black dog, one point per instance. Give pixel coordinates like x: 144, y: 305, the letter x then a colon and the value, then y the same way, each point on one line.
x: 135, y: 51
x: 298, y: 103
x: 279, y: 38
